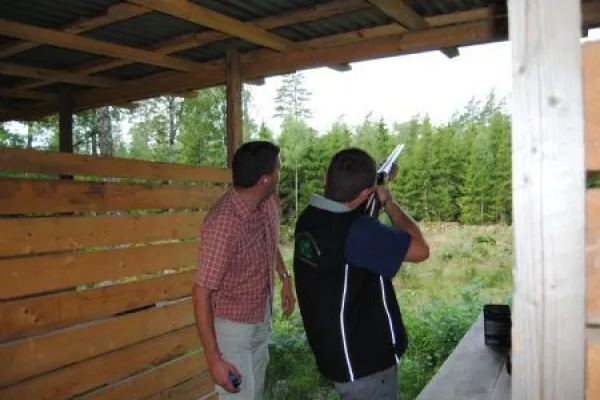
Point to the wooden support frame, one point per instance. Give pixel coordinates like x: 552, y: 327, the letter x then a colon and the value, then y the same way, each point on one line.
x: 56, y: 76
x: 234, y: 104
x: 189, y: 41
x: 548, y: 200
x: 65, y: 134
x: 71, y: 41
x: 408, y: 18
x: 116, y: 13
x: 260, y: 64
x: 203, y: 16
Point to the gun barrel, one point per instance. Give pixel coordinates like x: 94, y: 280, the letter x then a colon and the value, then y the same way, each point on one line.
x: 386, y: 167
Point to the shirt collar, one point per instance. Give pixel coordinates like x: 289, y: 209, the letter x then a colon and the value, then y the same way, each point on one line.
x: 240, y: 205
x: 326, y: 204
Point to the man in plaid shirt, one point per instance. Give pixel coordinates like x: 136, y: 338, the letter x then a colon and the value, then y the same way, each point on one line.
x: 233, y: 291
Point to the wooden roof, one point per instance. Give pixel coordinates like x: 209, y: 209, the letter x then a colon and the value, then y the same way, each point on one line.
x: 110, y: 52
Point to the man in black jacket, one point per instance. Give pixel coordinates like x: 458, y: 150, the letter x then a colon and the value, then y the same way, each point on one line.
x: 344, y: 262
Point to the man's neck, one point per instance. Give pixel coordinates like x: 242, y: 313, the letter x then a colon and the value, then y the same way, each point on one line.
x: 251, y: 197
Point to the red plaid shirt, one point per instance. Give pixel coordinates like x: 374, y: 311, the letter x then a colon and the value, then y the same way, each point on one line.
x: 237, y: 256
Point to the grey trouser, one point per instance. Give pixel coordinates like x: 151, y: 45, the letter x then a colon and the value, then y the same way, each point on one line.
x: 247, y: 347
x: 381, y: 385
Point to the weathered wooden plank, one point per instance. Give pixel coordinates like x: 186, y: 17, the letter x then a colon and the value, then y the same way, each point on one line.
x: 548, y: 200
x: 24, y: 236
x: 44, y: 162
x: 593, y: 364
x: 154, y: 381
x: 591, y: 81
x: 89, y: 374
x: 39, y: 314
x: 22, y: 196
x: 195, y: 388
x: 29, y: 357
x: 29, y: 275
x: 593, y: 256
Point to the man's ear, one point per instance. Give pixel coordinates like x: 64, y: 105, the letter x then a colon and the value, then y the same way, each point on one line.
x: 365, y: 193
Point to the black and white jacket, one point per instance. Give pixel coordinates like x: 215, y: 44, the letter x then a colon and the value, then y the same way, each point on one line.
x: 343, y: 265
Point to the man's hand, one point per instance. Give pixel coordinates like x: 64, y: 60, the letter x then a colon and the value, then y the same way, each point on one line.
x: 288, y: 299
x: 219, y: 371
x: 393, y: 172
x: 384, y: 194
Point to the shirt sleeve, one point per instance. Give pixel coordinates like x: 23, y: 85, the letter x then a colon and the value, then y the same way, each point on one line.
x: 213, y: 251
x: 377, y: 247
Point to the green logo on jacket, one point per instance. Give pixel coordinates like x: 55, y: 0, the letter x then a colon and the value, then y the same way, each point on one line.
x: 306, y: 249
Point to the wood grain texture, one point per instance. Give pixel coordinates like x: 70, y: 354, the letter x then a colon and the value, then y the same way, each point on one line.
x: 593, y: 364
x: 89, y: 374
x: 29, y: 357
x: 29, y: 275
x: 192, y: 389
x: 28, y: 236
x: 593, y: 256
x: 46, y: 162
x: 22, y: 196
x: 40, y: 314
x: 548, y: 200
x: 591, y: 80
x: 153, y: 381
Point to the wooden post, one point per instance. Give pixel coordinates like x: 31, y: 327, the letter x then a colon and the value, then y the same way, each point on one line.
x: 65, y: 125
x: 234, y: 104
x: 65, y: 133
x: 548, y: 200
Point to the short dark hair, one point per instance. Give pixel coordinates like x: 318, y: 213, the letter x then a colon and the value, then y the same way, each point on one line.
x: 350, y: 172
x: 253, y: 160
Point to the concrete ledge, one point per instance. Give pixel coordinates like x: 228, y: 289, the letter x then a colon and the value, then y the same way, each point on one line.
x: 472, y: 372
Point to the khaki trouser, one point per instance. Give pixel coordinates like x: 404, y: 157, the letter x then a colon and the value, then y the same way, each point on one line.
x: 247, y: 347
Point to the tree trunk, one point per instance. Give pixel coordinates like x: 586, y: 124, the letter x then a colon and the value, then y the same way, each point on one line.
x: 29, y: 136
x: 95, y: 143
x: 296, y: 189
x: 103, y: 127
x: 172, y: 129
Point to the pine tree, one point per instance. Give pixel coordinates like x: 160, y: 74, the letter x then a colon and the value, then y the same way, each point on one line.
x: 292, y: 98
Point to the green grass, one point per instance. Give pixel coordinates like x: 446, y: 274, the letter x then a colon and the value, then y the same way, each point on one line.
x: 440, y: 300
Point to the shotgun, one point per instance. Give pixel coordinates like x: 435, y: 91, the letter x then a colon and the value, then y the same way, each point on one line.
x: 373, y: 204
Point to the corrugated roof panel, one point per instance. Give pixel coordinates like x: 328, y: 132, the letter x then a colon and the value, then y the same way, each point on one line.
x: 333, y: 25
x: 217, y: 50
x: 144, y: 30
x: 249, y: 10
x: 8, y: 80
x: 60, y: 86
x: 428, y: 8
x: 52, y: 14
x: 131, y: 71
x: 51, y: 57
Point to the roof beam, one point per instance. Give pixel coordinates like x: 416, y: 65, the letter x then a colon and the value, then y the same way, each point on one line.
x: 188, y: 41
x: 206, y: 17
x: 407, y: 17
x: 24, y: 94
x: 219, y: 22
x: 281, y: 63
x: 118, y: 12
x: 57, y: 76
x: 74, y: 42
x: 255, y: 82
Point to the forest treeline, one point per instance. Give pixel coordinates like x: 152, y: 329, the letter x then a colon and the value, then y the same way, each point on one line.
x: 454, y: 171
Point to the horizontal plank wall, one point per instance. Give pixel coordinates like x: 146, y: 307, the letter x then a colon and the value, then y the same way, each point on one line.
x: 95, y: 276
x: 591, y: 67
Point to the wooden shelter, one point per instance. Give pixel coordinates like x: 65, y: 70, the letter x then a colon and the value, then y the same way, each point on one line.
x: 65, y: 333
